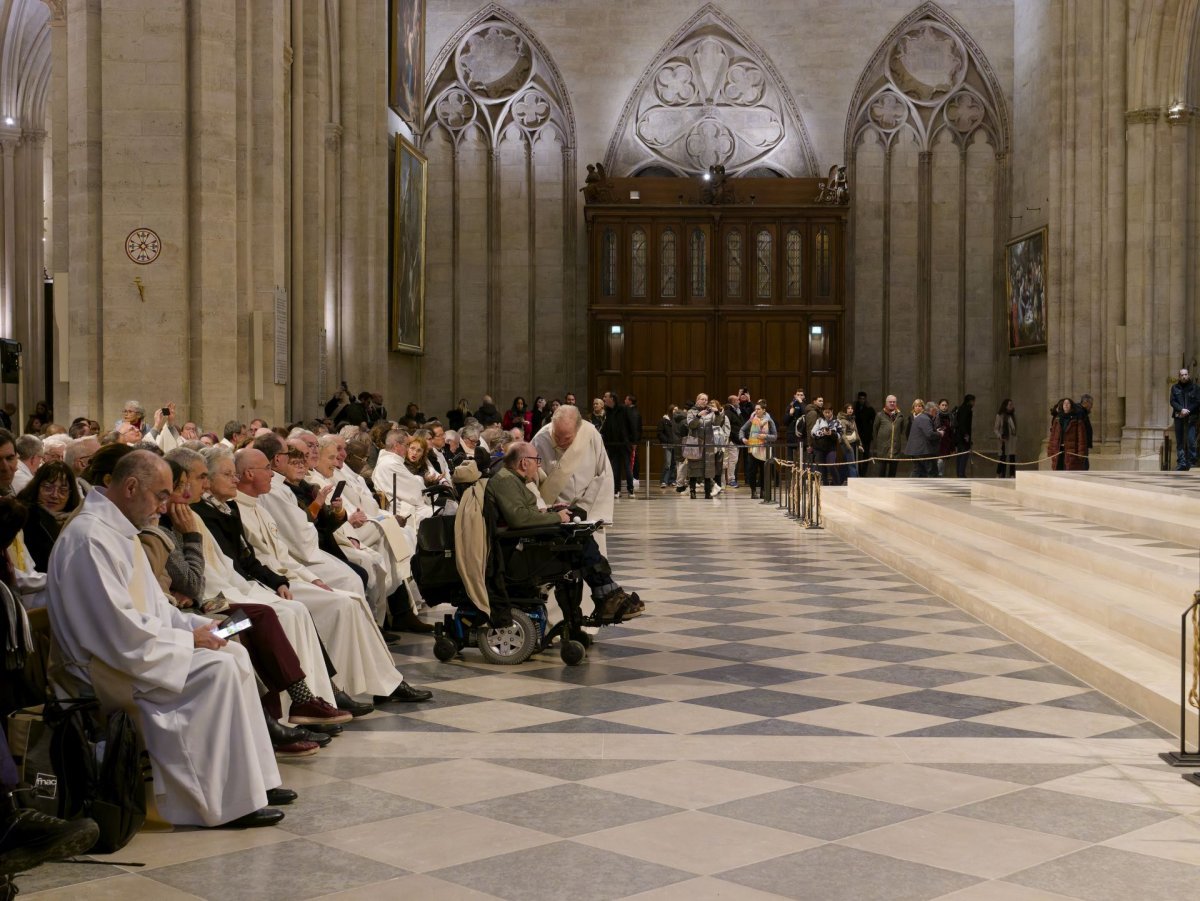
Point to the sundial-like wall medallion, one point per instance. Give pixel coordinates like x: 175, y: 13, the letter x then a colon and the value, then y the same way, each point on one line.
x: 143, y: 246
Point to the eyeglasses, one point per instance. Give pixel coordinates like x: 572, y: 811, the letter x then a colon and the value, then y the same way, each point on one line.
x: 534, y: 459
x: 54, y: 488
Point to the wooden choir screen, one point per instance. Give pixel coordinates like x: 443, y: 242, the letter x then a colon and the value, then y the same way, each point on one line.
x: 687, y: 295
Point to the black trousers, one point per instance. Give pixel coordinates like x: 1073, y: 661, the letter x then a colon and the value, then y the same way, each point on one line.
x: 618, y: 460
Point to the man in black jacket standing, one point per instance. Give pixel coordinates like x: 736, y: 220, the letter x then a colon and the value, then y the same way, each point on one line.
x: 864, y: 421
x: 963, y: 416
x: 1185, y: 407
x: 617, y: 435
x: 635, y: 437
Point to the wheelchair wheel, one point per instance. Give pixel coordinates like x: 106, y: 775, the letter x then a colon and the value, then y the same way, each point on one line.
x: 511, y: 645
x: 572, y: 653
x: 445, y: 648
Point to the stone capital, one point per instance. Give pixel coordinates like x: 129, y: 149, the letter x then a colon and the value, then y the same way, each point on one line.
x: 58, y: 12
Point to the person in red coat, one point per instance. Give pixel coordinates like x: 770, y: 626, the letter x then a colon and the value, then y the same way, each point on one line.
x: 519, y: 417
x: 1068, y: 437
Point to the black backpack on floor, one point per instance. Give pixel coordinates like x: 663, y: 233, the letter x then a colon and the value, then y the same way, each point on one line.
x: 93, y: 767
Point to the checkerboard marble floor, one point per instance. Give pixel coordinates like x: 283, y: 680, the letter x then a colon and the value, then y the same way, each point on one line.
x: 789, y: 719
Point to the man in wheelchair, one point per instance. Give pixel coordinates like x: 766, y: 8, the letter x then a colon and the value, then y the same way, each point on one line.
x: 512, y: 493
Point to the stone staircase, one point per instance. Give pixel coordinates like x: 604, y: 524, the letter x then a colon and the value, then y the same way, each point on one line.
x: 1089, y: 570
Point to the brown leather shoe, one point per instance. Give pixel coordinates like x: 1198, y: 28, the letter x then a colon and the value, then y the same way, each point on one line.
x: 296, y: 749
x: 317, y: 711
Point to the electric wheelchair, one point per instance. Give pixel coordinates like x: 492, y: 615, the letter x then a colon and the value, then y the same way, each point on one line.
x: 524, y: 565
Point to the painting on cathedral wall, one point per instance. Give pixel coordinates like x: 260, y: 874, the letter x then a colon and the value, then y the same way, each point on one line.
x: 406, y: 58
x: 408, y: 249
x: 1025, y: 284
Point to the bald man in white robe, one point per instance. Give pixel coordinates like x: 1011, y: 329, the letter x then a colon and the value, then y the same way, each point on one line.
x: 576, y: 467
x: 121, y: 639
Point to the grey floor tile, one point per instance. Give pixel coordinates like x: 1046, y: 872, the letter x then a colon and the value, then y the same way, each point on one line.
x: 356, y: 767
x: 858, y: 617
x: 571, y: 770
x: 397, y: 723
x: 746, y: 653
x: 1023, y: 773
x: 584, y: 724
x: 1107, y: 874
x: 586, y: 673
x: 334, y: 806
x: 730, y: 633
x: 750, y: 675
x: 724, y: 617
x: 867, y: 633
x: 1140, y: 730
x: 1051, y: 674
x: 764, y: 702
x: 1008, y: 651
x: 970, y: 729
x: 815, y: 812
x: 569, y: 809
x: 835, y: 873
x: 893, y: 653
x: 775, y: 727
x: 1093, y: 702
x: 916, y: 676
x: 586, y: 703
x: 60, y: 875
x: 289, y: 871
x: 562, y: 870
x: 1086, y: 819
x: 791, y: 770
x: 944, y: 703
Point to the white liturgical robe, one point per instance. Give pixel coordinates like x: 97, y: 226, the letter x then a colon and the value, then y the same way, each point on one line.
x: 578, y: 474
x: 222, y: 580
x: 200, y: 714
x: 302, y: 540
x: 356, y: 646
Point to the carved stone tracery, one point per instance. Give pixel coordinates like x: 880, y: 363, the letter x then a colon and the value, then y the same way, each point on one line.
x: 711, y: 97
x: 929, y: 76
x: 494, y: 75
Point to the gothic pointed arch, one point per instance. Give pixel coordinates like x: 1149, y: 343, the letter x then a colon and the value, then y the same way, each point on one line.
x: 711, y: 96
x: 928, y: 76
x: 495, y: 77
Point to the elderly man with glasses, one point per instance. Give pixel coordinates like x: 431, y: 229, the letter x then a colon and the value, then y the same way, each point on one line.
x: 512, y: 490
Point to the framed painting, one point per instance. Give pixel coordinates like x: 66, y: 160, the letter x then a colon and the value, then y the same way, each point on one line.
x: 406, y: 59
x: 1025, y: 276
x: 408, y: 249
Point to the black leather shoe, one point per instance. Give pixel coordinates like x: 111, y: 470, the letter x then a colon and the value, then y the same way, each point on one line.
x: 278, y: 797
x: 351, y: 706
x: 405, y: 692
x: 29, y: 838
x: 281, y: 734
x: 266, y: 816
x: 331, y: 729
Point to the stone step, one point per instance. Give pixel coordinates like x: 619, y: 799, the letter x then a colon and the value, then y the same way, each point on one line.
x: 1142, y: 679
x: 1144, y: 564
x: 981, y: 540
x: 1168, y: 497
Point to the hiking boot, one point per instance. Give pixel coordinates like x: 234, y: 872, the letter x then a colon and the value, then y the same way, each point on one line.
x: 29, y: 838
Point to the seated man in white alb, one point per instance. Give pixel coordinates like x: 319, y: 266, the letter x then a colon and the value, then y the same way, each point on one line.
x: 293, y: 524
x: 120, y: 638
x: 357, y: 537
x: 401, y: 489
x: 29, y: 452
x: 357, y: 648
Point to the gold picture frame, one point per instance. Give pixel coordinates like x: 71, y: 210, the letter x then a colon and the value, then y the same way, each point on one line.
x: 1026, y: 274
x: 406, y: 59
x: 407, y: 327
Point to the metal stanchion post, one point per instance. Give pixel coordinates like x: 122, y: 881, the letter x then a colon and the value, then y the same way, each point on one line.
x: 647, y: 480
